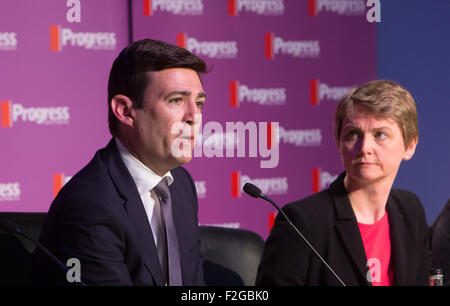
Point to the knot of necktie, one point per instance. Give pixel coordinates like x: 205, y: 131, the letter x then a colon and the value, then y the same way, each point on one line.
x: 162, y: 190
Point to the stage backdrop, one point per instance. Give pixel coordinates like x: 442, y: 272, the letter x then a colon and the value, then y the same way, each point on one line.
x: 416, y: 55
x: 53, y: 92
x: 277, y: 70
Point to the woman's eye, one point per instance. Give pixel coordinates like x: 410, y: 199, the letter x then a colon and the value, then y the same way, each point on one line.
x: 352, y: 135
x: 380, y: 135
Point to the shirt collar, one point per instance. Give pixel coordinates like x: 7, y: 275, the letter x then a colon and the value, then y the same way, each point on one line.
x: 144, y: 178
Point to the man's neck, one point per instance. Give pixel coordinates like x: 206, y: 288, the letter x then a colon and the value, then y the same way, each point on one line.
x: 134, y: 152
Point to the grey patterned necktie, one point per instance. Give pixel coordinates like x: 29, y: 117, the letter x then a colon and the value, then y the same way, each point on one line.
x: 173, y: 252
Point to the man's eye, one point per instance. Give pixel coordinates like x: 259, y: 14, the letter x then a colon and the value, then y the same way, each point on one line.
x: 200, y: 104
x: 176, y: 100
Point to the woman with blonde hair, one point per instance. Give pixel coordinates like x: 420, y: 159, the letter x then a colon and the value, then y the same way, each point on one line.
x: 368, y: 233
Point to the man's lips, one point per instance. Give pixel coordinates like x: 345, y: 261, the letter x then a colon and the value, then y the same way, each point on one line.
x: 188, y: 138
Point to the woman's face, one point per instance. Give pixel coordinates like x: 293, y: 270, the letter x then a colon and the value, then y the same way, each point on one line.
x: 372, y: 148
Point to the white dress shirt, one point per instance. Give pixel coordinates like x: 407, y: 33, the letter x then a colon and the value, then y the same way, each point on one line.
x: 145, y: 180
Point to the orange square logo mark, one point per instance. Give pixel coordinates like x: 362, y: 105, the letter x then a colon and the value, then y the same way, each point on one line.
x: 5, y: 110
x: 268, y: 46
x: 316, y: 180
x: 181, y: 40
x: 55, y: 38
x: 147, y: 6
x: 232, y: 8
x: 58, y: 182
x: 235, y: 184
x: 312, y: 8
x: 234, y: 93
x: 314, y: 91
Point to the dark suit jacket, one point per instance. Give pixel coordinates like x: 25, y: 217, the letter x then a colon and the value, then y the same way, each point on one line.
x: 327, y: 220
x: 440, y: 243
x: 98, y: 217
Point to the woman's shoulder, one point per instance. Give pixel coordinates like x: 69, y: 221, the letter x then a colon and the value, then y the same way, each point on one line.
x: 406, y: 201
x: 405, y: 197
x: 317, y: 203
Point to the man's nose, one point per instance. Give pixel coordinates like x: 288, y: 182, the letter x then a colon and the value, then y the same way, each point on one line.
x: 191, y: 110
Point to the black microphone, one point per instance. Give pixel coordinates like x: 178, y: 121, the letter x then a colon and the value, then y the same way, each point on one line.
x: 255, y: 192
x: 11, y: 228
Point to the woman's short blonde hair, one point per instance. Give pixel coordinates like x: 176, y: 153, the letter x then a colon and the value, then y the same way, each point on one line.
x: 384, y: 99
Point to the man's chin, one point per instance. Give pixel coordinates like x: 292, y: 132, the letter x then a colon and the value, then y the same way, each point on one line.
x: 183, y: 158
x: 182, y: 150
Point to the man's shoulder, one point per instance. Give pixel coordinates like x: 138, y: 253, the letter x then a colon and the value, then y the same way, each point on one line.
x: 181, y: 172
x: 91, y: 176
x: 89, y: 185
x: 182, y: 181
x: 181, y: 177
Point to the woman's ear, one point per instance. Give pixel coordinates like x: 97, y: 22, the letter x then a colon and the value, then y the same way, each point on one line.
x: 122, y: 107
x: 409, y: 152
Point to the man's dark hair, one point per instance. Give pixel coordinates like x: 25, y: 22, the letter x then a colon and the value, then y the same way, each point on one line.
x: 128, y: 73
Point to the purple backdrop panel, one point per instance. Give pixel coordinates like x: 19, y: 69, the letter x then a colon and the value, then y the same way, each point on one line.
x: 284, y: 61
x: 53, y: 89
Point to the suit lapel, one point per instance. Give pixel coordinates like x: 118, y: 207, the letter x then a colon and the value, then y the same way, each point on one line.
x: 347, y: 228
x: 399, y: 258
x: 134, y: 208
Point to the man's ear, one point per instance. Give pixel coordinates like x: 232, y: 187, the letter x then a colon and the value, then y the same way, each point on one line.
x: 122, y: 107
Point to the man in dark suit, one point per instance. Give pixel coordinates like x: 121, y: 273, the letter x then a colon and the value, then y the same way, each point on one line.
x: 130, y: 215
x: 440, y: 243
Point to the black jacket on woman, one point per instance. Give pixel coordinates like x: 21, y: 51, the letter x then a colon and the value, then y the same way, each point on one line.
x: 327, y: 220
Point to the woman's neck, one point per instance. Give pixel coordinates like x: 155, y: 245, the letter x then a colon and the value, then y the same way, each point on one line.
x: 368, y: 200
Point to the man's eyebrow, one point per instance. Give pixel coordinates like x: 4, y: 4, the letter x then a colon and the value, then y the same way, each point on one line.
x: 178, y: 92
x: 184, y: 93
